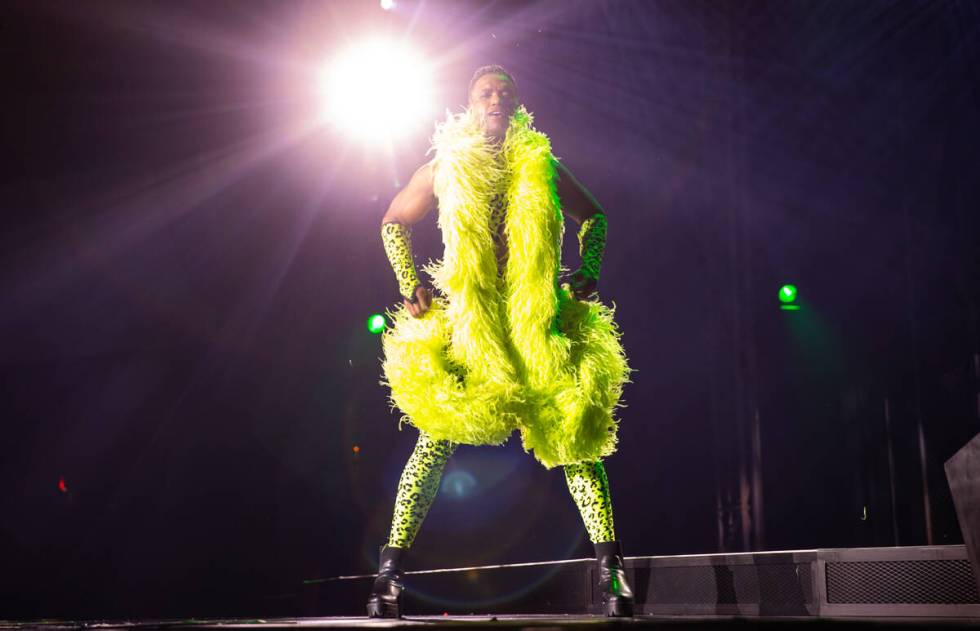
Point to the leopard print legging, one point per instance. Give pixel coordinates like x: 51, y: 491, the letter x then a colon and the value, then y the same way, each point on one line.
x: 590, y: 490
x: 419, y: 484
x: 417, y: 488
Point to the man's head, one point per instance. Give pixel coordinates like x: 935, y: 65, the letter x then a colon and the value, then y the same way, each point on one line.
x: 493, y: 99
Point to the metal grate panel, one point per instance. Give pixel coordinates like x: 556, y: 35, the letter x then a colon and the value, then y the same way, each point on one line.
x: 774, y: 584
x: 935, y: 581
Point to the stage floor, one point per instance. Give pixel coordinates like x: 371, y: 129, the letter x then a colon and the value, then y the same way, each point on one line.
x: 924, y: 587
x: 686, y: 623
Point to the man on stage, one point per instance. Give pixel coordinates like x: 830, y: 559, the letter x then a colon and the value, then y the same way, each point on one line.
x: 502, y: 347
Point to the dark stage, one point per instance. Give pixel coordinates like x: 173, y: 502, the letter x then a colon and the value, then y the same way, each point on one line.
x: 197, y: 298
x: 902, y: 588
x: 510, y: 622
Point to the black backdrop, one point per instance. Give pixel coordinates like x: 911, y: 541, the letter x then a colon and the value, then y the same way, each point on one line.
x: 186, y: 271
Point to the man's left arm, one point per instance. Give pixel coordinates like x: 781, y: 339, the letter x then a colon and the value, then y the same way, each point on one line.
x: 580, y: 205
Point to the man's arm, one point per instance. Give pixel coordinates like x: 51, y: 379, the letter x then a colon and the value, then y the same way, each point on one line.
x: 581, y: 206
x: 413, y: 202
x: 576, y: 201
x: 408, y: 207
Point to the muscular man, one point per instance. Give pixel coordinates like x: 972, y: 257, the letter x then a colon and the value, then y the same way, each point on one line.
x: 502, y: 347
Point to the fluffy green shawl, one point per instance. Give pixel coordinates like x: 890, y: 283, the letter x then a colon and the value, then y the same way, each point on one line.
x: 510, y: 351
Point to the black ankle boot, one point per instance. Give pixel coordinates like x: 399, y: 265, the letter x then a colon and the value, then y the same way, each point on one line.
x: 386, y: 595
x: 614, y: 592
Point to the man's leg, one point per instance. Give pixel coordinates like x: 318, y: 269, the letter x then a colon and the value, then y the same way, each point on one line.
x: 590, y: 490
x: 417, y: 488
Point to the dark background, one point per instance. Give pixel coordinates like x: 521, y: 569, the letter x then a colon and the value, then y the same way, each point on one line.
x: 187, y: 266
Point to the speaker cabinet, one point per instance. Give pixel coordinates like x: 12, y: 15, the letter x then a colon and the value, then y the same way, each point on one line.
x: 963, y: 475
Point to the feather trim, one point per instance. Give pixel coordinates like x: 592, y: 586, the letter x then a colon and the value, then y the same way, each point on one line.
x: 512, y: 352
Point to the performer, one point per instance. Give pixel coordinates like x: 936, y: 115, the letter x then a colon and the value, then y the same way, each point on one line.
x: 502, y: 347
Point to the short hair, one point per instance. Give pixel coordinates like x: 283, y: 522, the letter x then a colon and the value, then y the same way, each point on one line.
x: 491, y: 69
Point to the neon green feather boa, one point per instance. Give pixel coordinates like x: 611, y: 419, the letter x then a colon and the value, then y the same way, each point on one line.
x: 508, y: 352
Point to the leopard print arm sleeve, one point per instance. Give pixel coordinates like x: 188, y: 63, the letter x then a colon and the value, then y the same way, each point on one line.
x: 398, y: 246
x: 591, y: 244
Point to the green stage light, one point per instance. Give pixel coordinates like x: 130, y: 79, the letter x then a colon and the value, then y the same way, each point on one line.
x: 376, y: 323
x: 787, y: 294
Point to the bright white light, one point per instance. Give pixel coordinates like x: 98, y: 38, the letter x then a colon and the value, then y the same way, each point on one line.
x: 387, y: 5
x: 377, y: 91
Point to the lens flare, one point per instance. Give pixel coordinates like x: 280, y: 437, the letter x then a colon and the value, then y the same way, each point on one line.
x: 458, y: 484
x: 377, y: 91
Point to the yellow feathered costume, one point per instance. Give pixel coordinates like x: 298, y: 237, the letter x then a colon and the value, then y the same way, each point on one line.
x: 511, y: 351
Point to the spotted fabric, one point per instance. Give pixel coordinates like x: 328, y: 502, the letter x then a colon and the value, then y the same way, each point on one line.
x: 398, y: 246
x: 498, y: 212
x: 417, y: 488
x: 591, y: 244
x: 590, y: 490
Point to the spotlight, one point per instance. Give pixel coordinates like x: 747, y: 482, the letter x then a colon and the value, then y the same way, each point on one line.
x: 787, y: 298
x: 376, y: 323
x: 787, y: 294
x: 377, y: 91
x: 387, y: 5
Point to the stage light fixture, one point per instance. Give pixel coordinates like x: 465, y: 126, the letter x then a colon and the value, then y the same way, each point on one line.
x: 787, y: 294
x: 376, y: 91
x: 376, y: 323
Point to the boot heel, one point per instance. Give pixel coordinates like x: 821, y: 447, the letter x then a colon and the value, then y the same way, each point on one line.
x: 619, y: 610
x: 613, y: 589
x: 383, y: 609
x: 386, y: 594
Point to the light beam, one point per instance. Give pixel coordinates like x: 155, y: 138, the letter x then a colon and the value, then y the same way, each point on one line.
x: 376, y: 91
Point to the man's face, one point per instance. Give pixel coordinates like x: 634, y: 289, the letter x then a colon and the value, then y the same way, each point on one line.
x: 493, y: 100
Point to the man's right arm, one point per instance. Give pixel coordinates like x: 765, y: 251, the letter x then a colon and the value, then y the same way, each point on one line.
x: 408, y: 207
x: 413, y: 202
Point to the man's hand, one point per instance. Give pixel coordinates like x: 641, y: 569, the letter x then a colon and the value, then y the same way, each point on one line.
x: 581, y: 285
x: 423, y: 299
